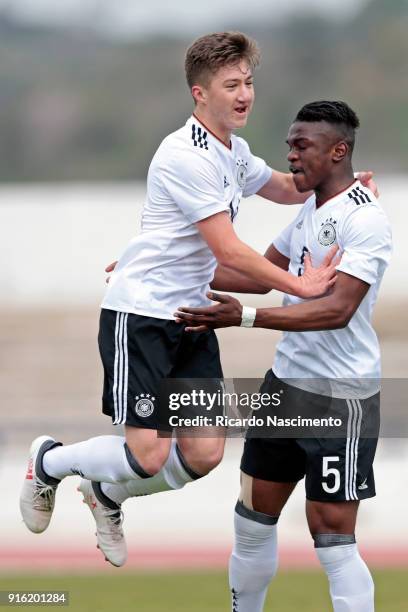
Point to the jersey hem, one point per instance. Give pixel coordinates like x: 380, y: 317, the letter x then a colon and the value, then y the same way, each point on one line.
x: 310, y: 389
x: 142, y: 313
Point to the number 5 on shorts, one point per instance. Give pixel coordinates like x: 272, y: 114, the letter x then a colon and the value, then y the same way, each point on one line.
x: 330, y: 471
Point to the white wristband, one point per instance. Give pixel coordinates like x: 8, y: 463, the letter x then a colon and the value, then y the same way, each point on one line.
x: 248, y: 316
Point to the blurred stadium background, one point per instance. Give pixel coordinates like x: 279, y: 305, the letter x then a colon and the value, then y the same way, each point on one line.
x: 87, y: 92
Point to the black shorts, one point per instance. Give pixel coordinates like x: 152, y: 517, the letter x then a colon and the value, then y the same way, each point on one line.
x: 335, y: 469
x: 138, y: 353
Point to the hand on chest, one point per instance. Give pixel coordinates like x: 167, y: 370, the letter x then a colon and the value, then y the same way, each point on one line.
x: 313, y: 234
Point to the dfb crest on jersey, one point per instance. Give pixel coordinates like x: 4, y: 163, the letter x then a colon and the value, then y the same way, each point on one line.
x: 327, y: 233
x: 241, y: 172
x: 144, y: 405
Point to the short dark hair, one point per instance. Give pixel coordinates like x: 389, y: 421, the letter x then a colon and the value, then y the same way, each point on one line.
x: 334, y: 112
x: 213, y: 51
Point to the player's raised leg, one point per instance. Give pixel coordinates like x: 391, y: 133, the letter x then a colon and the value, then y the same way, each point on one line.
x: 182, y: 358
x: 178, y: 470
x: 105, y: 499
x: 104, y: 458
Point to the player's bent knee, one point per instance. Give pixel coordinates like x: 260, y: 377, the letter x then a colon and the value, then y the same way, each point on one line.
x: 148, y: 457
x: 202, y: 455
x: 210, y: 461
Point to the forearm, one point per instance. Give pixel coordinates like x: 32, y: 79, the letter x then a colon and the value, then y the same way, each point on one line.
x: 281, y: 189
x: 226, y: 279
x: 316, y: 315
x: 247, y: 262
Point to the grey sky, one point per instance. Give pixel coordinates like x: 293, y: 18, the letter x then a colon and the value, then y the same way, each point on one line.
x: 173, y: 16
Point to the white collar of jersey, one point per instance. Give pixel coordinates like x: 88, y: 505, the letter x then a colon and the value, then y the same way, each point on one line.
x: 337, y: 197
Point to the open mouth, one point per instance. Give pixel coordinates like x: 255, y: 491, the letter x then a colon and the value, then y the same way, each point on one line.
x: 294, y: 170
x: 241, y: 110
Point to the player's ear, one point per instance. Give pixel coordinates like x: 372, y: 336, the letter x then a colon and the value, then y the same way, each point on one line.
x: 340, y: 151
x: 199, y: 94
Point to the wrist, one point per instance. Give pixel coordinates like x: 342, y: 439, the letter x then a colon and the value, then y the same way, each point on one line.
x: 296, y: 287
x: 248, y: 316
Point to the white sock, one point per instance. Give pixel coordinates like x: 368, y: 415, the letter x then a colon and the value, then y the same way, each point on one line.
x: 173, y: 475
x: 103, y: 459
x: 351, y: 584
x: 254, y: 559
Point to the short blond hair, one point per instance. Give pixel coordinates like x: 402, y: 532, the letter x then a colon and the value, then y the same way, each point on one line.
x: 211, y: 52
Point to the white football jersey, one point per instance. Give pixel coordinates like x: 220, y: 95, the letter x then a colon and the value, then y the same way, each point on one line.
x: 192, y: 176
x: 340, y: 361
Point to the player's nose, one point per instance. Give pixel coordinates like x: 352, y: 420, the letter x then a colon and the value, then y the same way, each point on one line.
x: 292, y: 156
x: 245, y: 94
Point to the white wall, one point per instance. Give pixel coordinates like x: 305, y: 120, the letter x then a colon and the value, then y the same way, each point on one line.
x: 57, y: 239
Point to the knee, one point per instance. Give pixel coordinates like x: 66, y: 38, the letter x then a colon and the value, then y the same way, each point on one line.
x: 204, y: 457
x: 336, y: 517
x: 151, y: 457
x: 211, y: 460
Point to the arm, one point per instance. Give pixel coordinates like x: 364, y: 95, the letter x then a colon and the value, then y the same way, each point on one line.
x: 333, y: 311
x: 226, y: 279
x: 280, y: 188
x: 231, y: 252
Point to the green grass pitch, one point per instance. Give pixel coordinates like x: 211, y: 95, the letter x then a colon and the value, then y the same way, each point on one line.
x: 291, y: 591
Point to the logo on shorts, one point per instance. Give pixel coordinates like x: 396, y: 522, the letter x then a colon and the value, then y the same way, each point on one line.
x: 242, y: 172
x: 327, y: 234
x: 144, y: 405
x: 363, y: 485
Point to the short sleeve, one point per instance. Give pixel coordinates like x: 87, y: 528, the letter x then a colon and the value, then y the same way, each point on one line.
x: 282, y: 242
x: 194, y: 183
x: 366, y: 244
x: 258, y: 173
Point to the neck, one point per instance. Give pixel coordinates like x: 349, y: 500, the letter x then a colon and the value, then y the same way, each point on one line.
x: 333, y: 186
x: 213, y: 126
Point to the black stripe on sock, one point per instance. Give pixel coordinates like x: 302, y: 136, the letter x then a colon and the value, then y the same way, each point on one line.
x: 324, y: 540
x: 253, y: 515
x: 136, y: 467
x: 39, y: 470
x: 194, y: 475
x: 100, y: 496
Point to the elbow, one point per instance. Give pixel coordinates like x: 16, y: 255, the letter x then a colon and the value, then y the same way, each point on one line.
x: 227, y: 256
x: 340, y: 323
x: 341, y: 318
